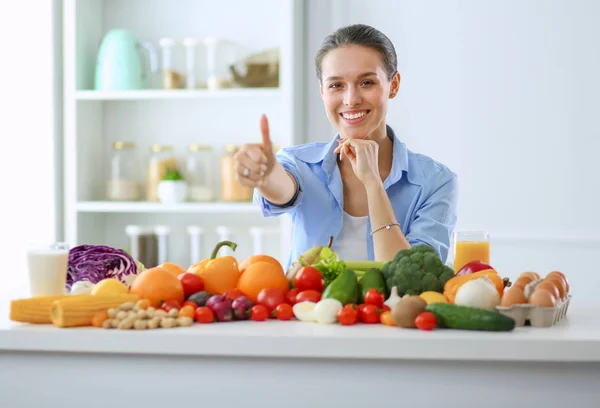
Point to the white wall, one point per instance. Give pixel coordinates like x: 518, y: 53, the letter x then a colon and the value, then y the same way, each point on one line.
x: 28, y: 210
x: 506, y: 94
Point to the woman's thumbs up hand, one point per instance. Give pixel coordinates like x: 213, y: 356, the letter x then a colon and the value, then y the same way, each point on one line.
x: 255, y: 161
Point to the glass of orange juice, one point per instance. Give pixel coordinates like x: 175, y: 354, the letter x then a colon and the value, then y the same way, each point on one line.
x: 470, y: 246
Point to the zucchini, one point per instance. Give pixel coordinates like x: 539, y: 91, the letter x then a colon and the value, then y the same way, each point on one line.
x: 470, y: 318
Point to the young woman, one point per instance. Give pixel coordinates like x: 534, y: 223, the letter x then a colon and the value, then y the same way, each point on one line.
x: 364, y: 187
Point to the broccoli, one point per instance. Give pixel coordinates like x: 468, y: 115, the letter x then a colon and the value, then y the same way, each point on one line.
x: 416, y: 270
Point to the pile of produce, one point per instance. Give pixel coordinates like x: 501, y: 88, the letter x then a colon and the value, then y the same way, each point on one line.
x: 414, y: 290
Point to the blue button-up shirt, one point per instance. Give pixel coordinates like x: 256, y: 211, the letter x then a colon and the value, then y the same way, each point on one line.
x: 422, y: 191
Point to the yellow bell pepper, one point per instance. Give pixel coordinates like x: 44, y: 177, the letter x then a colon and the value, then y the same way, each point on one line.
x: 219, y: 274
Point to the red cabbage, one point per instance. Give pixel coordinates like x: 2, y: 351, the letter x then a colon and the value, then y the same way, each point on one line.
x: 96, y: 262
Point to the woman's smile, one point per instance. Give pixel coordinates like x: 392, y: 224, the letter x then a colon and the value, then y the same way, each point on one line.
x: 355, y: 116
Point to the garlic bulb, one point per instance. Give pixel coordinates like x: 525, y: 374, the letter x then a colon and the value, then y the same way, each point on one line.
x: 480, y: 293
x: 394, y: 298
x: 82, y: 288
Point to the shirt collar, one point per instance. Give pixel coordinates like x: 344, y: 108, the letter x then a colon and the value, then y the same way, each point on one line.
x: 328, y: 159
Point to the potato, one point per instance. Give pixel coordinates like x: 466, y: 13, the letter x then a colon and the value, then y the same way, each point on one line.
x: 405, y: 311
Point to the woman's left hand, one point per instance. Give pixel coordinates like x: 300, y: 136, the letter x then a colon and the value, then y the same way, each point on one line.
x: 363, y: 156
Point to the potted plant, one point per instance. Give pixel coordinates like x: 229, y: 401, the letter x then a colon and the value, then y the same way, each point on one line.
x: 173, y: 188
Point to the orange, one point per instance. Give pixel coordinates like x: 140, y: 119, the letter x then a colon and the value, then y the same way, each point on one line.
x: 262, y: 275
x: 157, y: 285
x: 172, y: 268
x: 257, y: 258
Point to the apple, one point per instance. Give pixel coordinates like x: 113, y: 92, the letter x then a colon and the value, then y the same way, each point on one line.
x: 472, y: 267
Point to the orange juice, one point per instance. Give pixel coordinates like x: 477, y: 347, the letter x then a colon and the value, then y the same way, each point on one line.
x: 467, y: 251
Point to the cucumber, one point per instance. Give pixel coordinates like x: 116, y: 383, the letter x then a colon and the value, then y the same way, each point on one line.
x: 469, y: 318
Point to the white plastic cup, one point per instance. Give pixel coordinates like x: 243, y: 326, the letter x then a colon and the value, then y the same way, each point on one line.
x: 196, y: 234
x: 47, y: 267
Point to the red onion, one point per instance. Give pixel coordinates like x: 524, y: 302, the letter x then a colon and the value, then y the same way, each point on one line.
x: 241, y: 308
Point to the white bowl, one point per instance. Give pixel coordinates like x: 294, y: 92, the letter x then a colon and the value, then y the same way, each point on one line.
x: 172, y: 191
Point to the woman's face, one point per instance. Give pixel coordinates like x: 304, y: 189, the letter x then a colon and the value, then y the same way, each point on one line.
x: 355, y: 91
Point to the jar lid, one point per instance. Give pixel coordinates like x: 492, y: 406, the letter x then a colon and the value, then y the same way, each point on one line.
x: 119, y: 144
x: 231, y: 148
x: 199, y: 147
x: 161, y: 148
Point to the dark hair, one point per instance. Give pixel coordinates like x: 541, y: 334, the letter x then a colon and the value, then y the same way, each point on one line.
x: 360, y: 34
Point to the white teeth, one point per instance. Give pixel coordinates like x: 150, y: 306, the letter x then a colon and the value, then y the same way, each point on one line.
x: 354, y: 115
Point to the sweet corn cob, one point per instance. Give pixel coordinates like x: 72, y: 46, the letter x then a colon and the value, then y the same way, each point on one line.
x: 33, y: 310
x: 80, y: 310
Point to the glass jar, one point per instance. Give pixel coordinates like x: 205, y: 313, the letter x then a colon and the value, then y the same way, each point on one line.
x: 124, y: 181
x: 231, y: 190
x: 161, y: 161
x: 198, y: 173
x: 171, y: 78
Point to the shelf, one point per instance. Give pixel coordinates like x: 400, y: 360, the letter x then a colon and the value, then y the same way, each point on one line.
x: 150, y: 207
x: 159, y: 94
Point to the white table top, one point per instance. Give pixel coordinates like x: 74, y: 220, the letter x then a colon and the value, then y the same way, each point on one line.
x: 575, y: 339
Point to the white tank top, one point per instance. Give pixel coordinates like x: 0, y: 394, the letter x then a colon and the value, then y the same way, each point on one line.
x: 351, y: 245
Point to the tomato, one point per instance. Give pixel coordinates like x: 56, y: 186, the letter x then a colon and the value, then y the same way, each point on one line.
x: 192, y: 283
x: 187, y: 311
x: 370, y: 314
x: 259, y: 313
x: 385, y: 308
x: 170, y: 304
x: 271, y: 298
x: 233, y: 293
x: 203, y: 314
x: 426, y: 321
x: 189, y: 303
x: 374, y: 297
x: 308, y: 295
x: 386, y: 318
x: 284, y: 311
x: 309, y: 278
x: 360, y: 309
x: 347, y: 315
x: 291, y: 296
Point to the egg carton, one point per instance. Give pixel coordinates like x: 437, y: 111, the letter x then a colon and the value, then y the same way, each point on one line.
x: 536, y: 316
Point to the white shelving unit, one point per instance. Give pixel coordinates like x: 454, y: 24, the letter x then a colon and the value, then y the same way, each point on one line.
x: 158, y: 94
x: 93, y: 120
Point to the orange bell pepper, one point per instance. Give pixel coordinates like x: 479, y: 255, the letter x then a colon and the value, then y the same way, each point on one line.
x: 452, y: 285
x: 219, y: 274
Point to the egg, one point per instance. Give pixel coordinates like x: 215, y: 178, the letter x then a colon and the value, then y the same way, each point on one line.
x: 514, y: 296
x: 562, y: 276
x: 532, y: 275
x: 559, y: 283
x: 542, y: 298
x: 549, y: 287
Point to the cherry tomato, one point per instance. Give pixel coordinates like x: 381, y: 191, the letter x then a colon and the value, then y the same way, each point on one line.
x: 291, y: 296
x: 386, y: 318
x: 192, y: 283
x: 170, y: 304
x: 370, y: 314
x: 374, y: 297
x: 309, y: 278
x: 426, y: 321
x: 385, y: 308
x: 203, y: 314
x: 271, y: 298
x: 233, y: 293
x: 189, y: 303
x: 360, y: 309
x: 347, y: 315
x: 308, y: 295
x: 284, y: 311
x: 187, y: 311
x: 259, y: 313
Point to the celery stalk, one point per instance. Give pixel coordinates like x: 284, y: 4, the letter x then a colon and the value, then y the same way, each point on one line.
x: 364, y: 265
